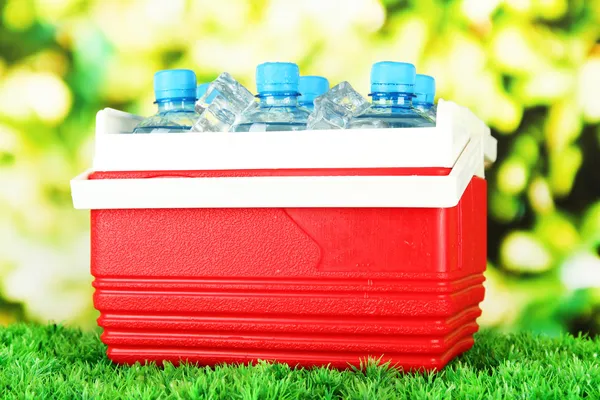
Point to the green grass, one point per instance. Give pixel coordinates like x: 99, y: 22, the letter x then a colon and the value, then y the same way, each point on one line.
x: 57, y: 362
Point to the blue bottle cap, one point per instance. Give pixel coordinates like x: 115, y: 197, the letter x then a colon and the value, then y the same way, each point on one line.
x: 201, y: 89
x: 277, y: 77
x: 424, y: 89
x: 311, y: 87
x: 393, y: 77
x: 175, y: 84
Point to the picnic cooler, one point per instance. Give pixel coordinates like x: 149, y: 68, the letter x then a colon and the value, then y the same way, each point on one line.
x: 309, y: 248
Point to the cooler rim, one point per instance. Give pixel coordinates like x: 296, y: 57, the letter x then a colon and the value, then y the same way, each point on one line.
x: 282, y: 191
x: 438, y: 146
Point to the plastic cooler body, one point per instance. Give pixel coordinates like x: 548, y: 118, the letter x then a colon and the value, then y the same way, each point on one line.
x: 308, y: 286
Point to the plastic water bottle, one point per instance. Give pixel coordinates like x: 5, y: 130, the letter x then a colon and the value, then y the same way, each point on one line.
x: 278, y: 110
x: 392, y: 92
x: 175, y: 91
x: 201, y: 89
x: 311, y: 87
x: 425, y: 93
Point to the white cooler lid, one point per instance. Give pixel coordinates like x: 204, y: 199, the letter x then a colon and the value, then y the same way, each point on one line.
x: 459, y: 141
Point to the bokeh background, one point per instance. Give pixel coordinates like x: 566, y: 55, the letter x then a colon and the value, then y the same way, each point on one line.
x: 529, y: 68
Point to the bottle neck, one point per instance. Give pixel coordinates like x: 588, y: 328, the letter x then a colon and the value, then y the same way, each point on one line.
x: 287, y: 99
x: 381, y: 99
x: 165, y: 105
x: 423, y: 100
x: 422, y: 104
x: 307, y: 100
x: 308, y: 105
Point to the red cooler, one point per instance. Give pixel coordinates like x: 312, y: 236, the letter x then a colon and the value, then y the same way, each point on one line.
x: 309, y: 248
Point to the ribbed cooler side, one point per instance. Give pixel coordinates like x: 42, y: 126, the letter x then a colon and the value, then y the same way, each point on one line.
x: 302, y: 286
x: 299, y: 324
x: 410, y: 341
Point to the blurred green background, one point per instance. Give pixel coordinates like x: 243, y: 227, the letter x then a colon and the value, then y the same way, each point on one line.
x: 529, y: 68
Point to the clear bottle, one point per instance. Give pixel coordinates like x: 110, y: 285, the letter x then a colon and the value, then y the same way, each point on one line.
x: 311, y: 87
x: 278, y: 110
x: 424, y: 95
x: 201, y: 89
x: 392, y: 93
x: 175, y: 91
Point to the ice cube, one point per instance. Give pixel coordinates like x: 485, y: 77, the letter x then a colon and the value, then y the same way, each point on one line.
x: 199, y: 107
x: 328, y: 115
x: 217, y: 117
x: 335, y: 109
x: 224, y: 101
x: 238, y: 97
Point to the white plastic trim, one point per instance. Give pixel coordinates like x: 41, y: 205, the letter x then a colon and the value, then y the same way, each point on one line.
x: 322, y: 191
x: 439, y: 146
x: 115, y: 121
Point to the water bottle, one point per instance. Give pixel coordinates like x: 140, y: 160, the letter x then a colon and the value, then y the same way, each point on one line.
x: 424, y: 95
x: 175, y: 92
x: 278, y: 110
x: 311, y: 87
x: 201, y: 89
x: 392, y: 92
